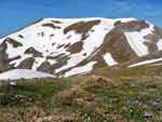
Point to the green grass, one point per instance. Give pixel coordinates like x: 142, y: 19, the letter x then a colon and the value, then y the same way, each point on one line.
x: 101, y: 66
x: 30, y: 91
x: 129, y: 100
x: 84, y: 99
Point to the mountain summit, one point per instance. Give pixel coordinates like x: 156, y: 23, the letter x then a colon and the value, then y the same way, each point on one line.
x: 68, y: 47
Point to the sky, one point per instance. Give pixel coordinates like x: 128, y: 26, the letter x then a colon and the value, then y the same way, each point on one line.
x: 15, y: 14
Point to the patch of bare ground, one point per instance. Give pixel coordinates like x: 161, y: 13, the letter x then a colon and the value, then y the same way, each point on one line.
x: 76, y: 47
x: 46, y: 67
x: 13, y: 42
x: 82, y: 28
x: 60, y: 46
x: 34, y: 52
x: 4, y: 59
x: 51, y: 25
x: 153, y: 39
x: 57, y: 22
x: 26, y: 63
x: 116, y: 43
x: 132, y: 26
x: 50, y: 68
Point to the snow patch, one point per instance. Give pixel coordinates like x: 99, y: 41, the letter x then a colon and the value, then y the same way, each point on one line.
x: 145, y: 62
x: 81, y: 70
x: 38, y: 61
x: 109, y: 60
x: 159, y: 44
x: 136, y: 40
x: 23, y: 73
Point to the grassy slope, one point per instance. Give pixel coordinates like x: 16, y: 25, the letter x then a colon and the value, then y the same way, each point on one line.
x: 127, y: 95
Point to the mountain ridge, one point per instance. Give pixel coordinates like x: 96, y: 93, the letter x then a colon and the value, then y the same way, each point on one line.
x: 67, y: 47
x: 40, y: 19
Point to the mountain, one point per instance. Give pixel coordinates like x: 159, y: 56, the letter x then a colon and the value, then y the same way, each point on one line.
x: 68, y: 47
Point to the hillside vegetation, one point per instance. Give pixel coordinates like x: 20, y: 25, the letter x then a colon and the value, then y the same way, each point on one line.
x: 116, y: 96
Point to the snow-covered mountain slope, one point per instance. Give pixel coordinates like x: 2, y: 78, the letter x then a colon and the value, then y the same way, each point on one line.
x: 66, y: 47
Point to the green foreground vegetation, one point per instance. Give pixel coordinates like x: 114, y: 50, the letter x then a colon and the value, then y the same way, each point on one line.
x: 94, y: 98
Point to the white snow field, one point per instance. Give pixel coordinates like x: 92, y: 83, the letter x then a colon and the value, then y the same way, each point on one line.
x: 136, y: 40
x: 23, y: 73
x: 109, y: 60
x: 146, y: 62
x: 80, y: 70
